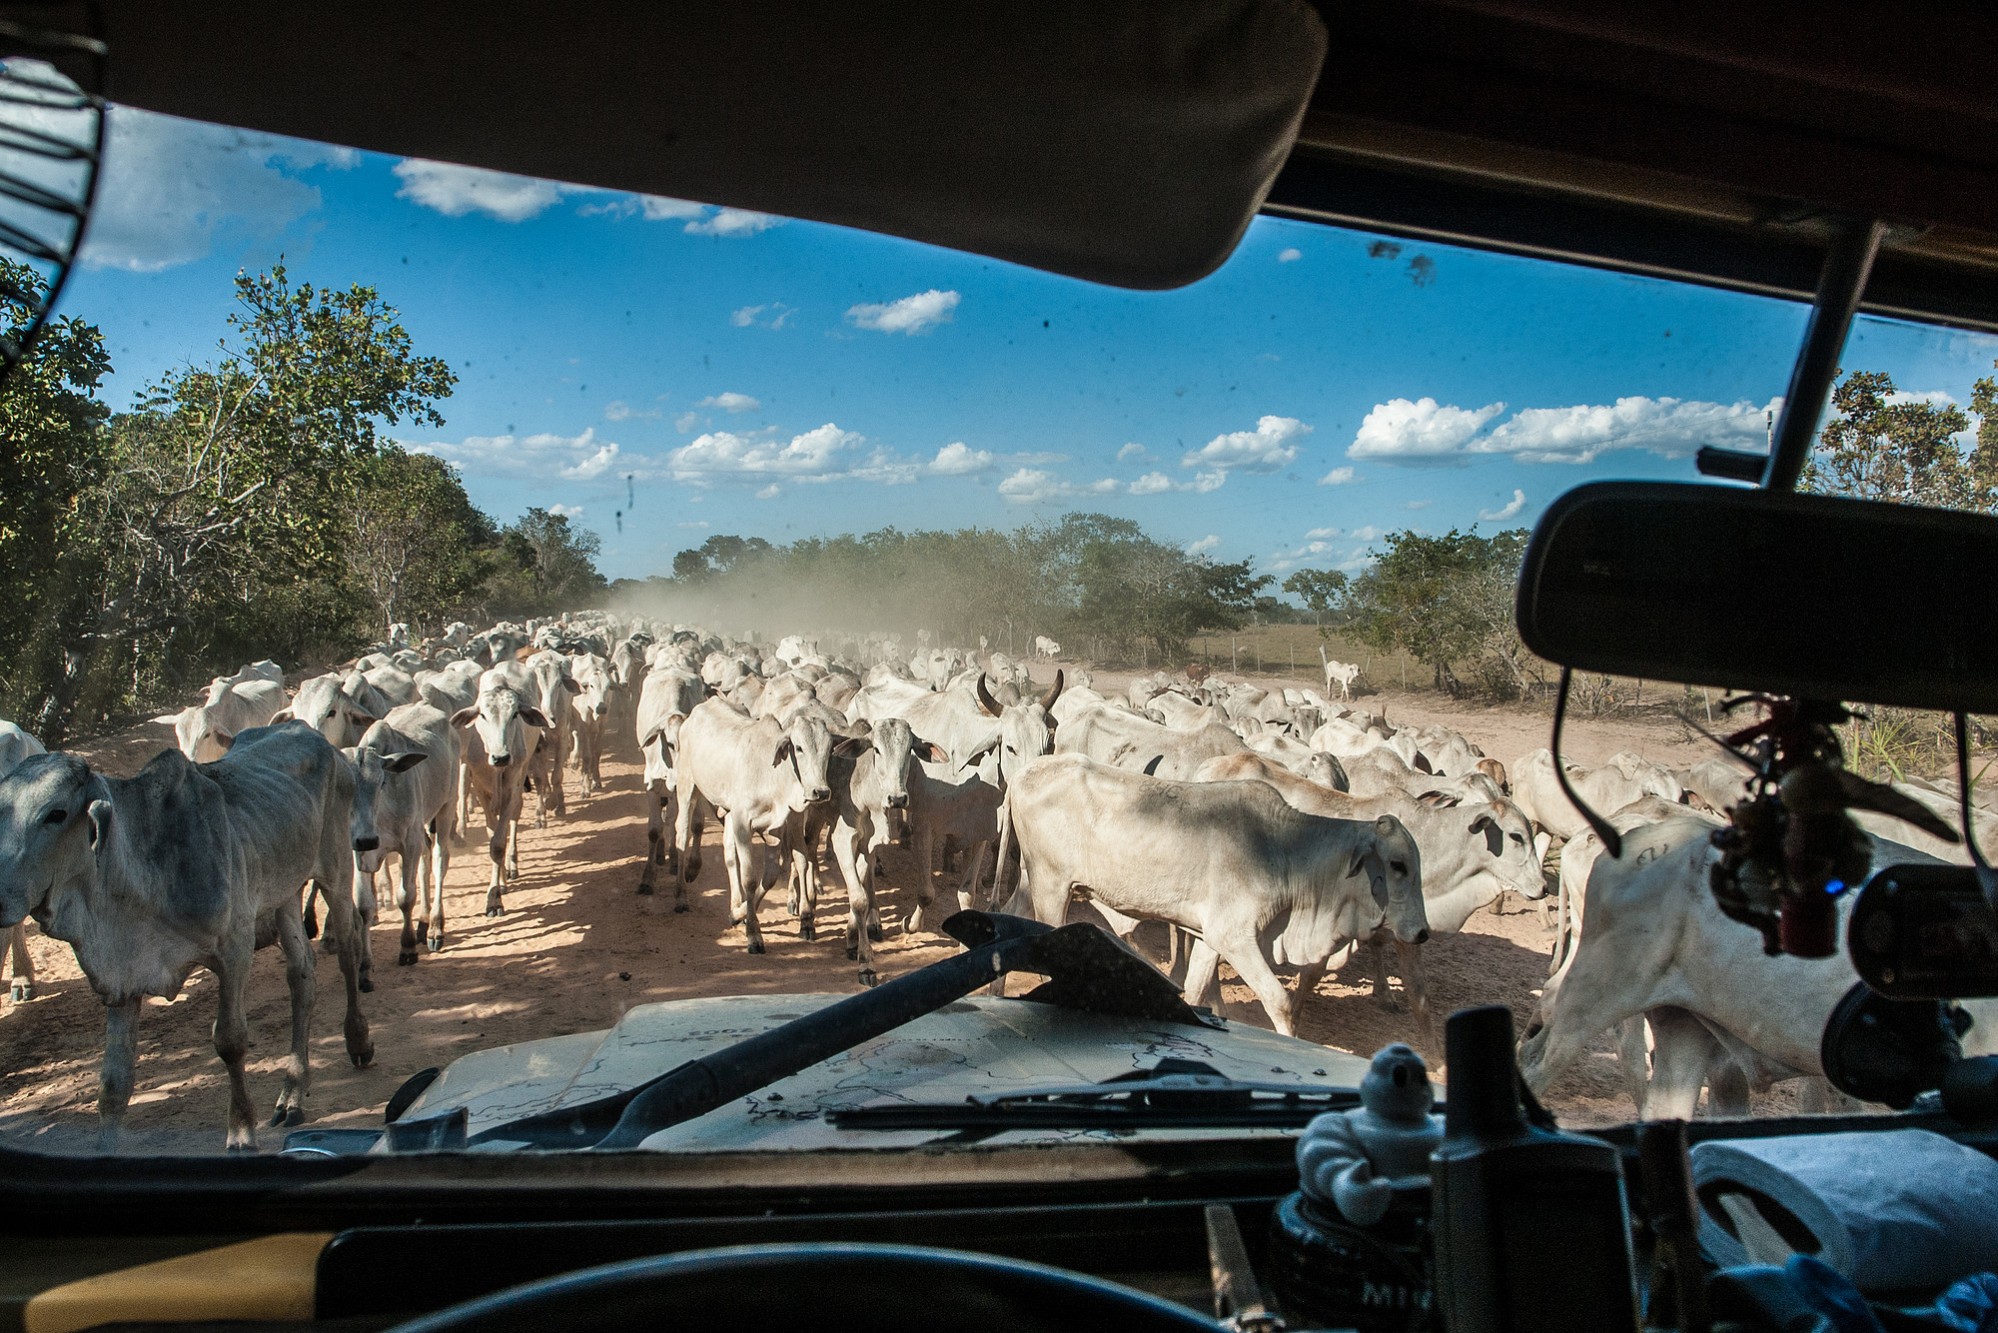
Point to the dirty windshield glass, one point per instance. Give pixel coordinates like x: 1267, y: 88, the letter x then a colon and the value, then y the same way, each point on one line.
x: 582, y: 610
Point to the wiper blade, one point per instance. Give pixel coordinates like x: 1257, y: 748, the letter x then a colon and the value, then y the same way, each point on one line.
x: 1174, y: 1094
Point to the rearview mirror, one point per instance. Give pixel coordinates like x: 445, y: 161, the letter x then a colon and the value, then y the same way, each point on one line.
x: 1805, y: 595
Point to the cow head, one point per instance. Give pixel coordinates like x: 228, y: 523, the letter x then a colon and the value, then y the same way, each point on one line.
x: 55, y: 815
x: 325, y: 704
x: 896, y: 746
x: 806, y: 745
x: 376, y: 802
x: 592, y: 679
x: 500, y: 721
x: 1392, y: 863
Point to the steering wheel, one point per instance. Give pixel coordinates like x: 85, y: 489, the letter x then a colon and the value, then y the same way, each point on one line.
x: 748, y: 1288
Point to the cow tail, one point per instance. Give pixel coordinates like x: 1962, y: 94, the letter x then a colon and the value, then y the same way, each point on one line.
x: 1006, y: 870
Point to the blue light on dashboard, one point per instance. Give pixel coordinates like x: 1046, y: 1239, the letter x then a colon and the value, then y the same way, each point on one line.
x: 1835, y: 887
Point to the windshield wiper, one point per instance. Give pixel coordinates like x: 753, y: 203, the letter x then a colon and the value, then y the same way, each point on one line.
x: 1087, y: 968
x: 1173, y: 1094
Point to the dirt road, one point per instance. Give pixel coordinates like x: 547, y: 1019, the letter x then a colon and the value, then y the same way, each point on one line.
x: 577, y: 947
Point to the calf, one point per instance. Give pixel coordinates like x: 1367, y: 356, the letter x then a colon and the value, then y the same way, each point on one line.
x: 1260, y: 883
x: 187, y: 866
x: 206, y: 730
x: 668, y: 696
x: 405, y: 785
x: 589, y: 716
x: 499, y: 734
x: 757, y: 774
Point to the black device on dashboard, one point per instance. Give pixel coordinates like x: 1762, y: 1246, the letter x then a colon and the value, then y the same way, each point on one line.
x: 1925, y: 932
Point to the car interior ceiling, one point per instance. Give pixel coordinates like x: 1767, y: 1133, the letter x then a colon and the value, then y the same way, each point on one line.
x: 1752, y: 145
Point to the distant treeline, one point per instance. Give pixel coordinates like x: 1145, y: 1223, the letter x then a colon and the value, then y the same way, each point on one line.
x: 245, y: 507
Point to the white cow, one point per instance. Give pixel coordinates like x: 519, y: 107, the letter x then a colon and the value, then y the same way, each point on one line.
x: 405, y: 805
x: 757, y: 774
x: 499, y: 734
x: 187, y: 866
x: 1626, y: 778
x: 589, y: 716
x: 338, y: 707
x: 206, y: 730
x: 1113, y: 736
x: 1258, y: 882
x: 1046, y: 648
x: 1340, y: 674
x: 15, y: 746
x: 668, y: 696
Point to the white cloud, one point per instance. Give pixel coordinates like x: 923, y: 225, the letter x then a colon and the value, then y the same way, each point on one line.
x: 693, y: 523
x: 455, y: 190
x: 1131, y: 451
x: 1032, y: 486
x: 730, y: 402
x: 1289, y: 255
x: 956, y: 459
x: 769, y: 492
x: 1338, y: 476
x: 1319, y: 534
x: 1152, y: 483
x: 883, y: 467
x: 1424, y: 431
x: 686, y: 421
x: 912, y: 314
x: 733, y: 222
x: 1038, y: 459
x: 750, y: 316
x: 815, y: 455
x: 619, y: 410
x: 566, y: 511
x: 1366, y: 534
x: 1510, y: 509
x: 543, y: 456
x: 1210, y: 542
x: 658, y: 208
x: 170, y: 187
x: 1267, y: 448
x: 1402, y: 431
x: 1419, y: 504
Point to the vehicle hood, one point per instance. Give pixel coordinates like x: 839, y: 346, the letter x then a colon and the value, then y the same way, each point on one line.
x: 977, y: 1046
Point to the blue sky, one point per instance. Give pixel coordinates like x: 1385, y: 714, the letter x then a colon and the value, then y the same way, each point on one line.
x: 706, y: 370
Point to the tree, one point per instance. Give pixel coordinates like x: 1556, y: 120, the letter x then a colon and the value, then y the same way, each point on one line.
x: 417, y: 538
x: 1321, y: 591
x: 1433, y: 597
x: 1903, y: 452
x: 557, y: 561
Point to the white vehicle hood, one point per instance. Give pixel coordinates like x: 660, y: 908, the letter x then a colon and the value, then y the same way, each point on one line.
x: 975, y: 1046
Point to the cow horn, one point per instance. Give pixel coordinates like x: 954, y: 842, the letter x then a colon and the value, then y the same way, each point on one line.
x: 986, y: 702
x: 1054, y: 692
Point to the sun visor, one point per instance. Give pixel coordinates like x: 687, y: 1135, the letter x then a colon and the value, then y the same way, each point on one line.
x: 1122, y: 141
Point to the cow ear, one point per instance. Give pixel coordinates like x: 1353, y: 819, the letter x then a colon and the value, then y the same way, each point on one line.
x: 167, y: 719
x: 1541, y: 842
x: 851, y: 746
x: 784, y: 749
x: 403, y: 760
x: 1494, y: 835
x: 360, y: 719
x: 533, y: 716
x: 569, y: 684
x: 465, y: 717
x: 931, y: 751
x: 225, y: 739
x: 1439, y: 800
x: 100, y: 822
x: 282, y: 715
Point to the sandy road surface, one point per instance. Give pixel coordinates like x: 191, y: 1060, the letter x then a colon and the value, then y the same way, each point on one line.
x: 577, y: 947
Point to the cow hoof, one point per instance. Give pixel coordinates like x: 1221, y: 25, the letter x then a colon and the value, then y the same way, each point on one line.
x: 874, y: 934
x: 436, y: 943
x: 868, y: 979
x: 361, y: 1060
x: 807, y: 931
x: 679, y: 907
x: 366, y: 985
x: 756, y: 946
x: 329, y: 945
x: 407, y: 958
x: 644, y: 889
x: 21, y: 992
x: 852, y: 952
x: 494, y: 911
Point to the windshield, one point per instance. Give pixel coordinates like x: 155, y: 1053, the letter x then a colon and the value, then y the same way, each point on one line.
x: 304, y: 404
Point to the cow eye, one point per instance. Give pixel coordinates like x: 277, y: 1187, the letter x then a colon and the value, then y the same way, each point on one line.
x: 1517, y: 838
x: 55, y: 816
x: 1399, y: 867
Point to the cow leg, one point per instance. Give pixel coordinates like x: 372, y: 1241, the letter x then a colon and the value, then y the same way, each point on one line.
x: 737, y: 856
x: 298, y: 976
x: 23, y: 988
x: 496, y: 848
x: 805, y: 873
x: 462, y: 801
x: 114, y: 1081
x: 433, y: 901
x: 1415, y: 981
x: 1383, y: 996
x: 1203, y: 969
x: 1633, y: 1057
x: 1308, y: 977
x: 655, y: 839
x: 923, y: 836
x: 1727, y: 1092
x: 687, y: 832
x: 1498, y: 904
x: 1682, y: 1052
x: 1244, y: 955
x: 413, y: 900
x: 854, y: 870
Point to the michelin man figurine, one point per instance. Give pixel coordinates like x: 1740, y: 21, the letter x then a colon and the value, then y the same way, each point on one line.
x: 1357, y: 1162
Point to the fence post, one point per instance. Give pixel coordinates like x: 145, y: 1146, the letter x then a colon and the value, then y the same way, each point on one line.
x: 1234, y: 654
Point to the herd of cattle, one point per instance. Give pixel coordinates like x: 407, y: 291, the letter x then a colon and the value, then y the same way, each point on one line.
x: 1277, y: 831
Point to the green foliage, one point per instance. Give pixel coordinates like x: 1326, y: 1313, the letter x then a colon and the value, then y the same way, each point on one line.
x: 247, y: 507
x: 1905, y: 452
x: 1321, y: 590
x: 1446, y: 600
